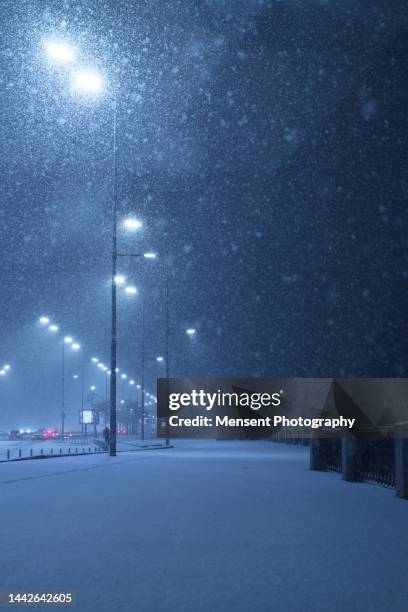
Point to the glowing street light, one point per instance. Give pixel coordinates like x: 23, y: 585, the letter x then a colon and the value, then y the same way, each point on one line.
x: 95, y: 359
x: 75, y: 346
x: 53, y: 328
x: 87, y: 82
x: 124, y: 376
x: 92, y: 387
x: 160, y: 359
x: 131, y: 290
x: 190, y: 331
x: 132, y: 224
x: 149, y: 255
x: 120, y: 279
x: 44, y: 320
x: 68, y: 340
x: 59, y: 51
x: 131, y: 382
x: 6, y: 367
x: 2, y: 373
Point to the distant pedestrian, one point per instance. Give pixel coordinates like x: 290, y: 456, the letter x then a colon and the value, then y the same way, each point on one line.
x: 106, y: 436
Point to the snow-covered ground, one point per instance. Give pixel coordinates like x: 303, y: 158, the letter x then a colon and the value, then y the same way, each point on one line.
x: 205, y: 526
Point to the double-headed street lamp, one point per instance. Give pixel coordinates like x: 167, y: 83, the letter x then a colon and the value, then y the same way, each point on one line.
x: 75, y: 346
x: 6, y: 368
x: 89, y: 82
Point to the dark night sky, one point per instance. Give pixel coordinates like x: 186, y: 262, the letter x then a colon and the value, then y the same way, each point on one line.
x: 265, y: 145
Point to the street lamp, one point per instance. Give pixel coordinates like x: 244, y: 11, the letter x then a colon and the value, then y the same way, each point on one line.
x: 59, y: 51
x: 75, y: 346
x: 44, y: 320
x: 87, y: 82
x: 132, y: 224
x: 120, y: 279
x: 130, y: 290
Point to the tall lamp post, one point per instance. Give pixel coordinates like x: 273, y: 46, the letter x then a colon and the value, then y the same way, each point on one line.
x: 167, y: 347
x: 89, y: 83
x: 112, y: 420
x: 133, y: 224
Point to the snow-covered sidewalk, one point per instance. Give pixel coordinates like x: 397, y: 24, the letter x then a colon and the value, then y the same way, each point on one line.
x: 206, y: 526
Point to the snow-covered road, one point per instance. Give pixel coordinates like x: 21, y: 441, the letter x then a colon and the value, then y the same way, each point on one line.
x: 206, y: 526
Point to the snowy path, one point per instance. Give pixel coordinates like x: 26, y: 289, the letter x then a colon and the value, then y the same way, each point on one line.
x: 206, y: 526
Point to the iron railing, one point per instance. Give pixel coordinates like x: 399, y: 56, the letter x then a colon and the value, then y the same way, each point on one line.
x: 376, y: 460
x: 330, y: 454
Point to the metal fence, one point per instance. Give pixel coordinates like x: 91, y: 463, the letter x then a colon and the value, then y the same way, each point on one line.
x: 374, y: 458
x: 375, y: 461
x: 330, y: 454
x: 15, y: 454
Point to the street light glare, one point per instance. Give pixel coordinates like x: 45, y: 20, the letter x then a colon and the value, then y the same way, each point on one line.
x: 120, y: 279
x: 132, y: 224
x: 95, y: 359
x: 44, y: 320
x: 190, y: 331
x: 87, y: 82
x: 159, y: 358
x: 53, y: 328
x: 150, y: 255
x: 76, y: 346
x: 131, y: 382
x: 68, y: 340
x: 130, y: 290
x: 59, y: 51
x: 6, y: 367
